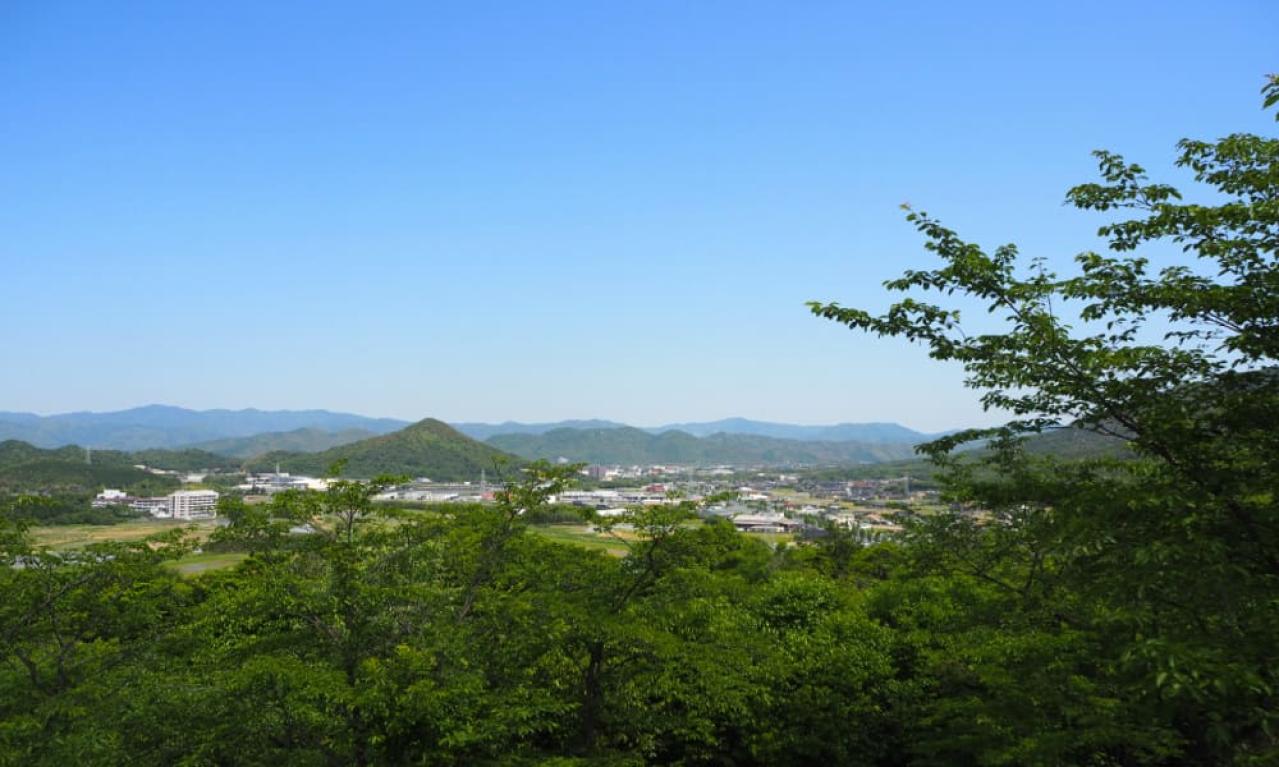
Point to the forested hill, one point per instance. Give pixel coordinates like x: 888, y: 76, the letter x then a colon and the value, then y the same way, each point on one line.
x: 1073, y: 442
x: 483, y: 431
x: 26, y: 468
x: 874, y: 433
x: 1064, y: 444
x: 428, y: 448
x: 296, y: 441
x: 627, y: 445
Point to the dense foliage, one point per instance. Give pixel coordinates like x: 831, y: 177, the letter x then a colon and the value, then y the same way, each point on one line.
x: 385, y: 637
x: 66, y: 509
x: 1159, y: 577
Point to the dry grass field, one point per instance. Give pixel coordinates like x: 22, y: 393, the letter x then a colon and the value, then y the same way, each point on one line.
x: 71, y: 537
x: 64, y: 537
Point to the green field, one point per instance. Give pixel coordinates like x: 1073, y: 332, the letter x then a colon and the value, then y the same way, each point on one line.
x: 772, y: 539
x: 583, y: 535
x: 194, y: 564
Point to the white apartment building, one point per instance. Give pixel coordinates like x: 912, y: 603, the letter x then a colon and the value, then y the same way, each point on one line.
x: 193, y: 504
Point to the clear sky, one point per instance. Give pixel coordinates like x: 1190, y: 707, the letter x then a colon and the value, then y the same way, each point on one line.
x: 541, y: 210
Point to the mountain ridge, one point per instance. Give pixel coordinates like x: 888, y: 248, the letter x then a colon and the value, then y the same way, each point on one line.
x: 870, y: 432
x: 304, y: 440
x: 482, y: 431
x: 428, y: 448
x: 873, y: 432
x: 169, y: 426
x: 630, y: 445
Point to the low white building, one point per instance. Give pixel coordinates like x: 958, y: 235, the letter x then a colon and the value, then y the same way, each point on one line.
x: 765, y: 523
x: 110, y: 497
x: 193, y: 504
x: 156, y: 507
x: 279, y: 482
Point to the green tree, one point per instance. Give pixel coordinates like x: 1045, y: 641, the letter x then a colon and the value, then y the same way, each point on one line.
x: 1160, y: 574
x: 73, y: 628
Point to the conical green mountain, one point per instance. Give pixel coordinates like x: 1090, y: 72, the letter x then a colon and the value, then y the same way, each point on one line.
x: 428, y: 448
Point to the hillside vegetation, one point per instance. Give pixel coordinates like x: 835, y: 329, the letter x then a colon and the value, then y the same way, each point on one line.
x: 309, y: 440
x: 26, y: 468
x: 1067, y: 445
x: 876, y: 433
x: 627, y: 445
x: 187, y: 459
x: 428, y: 448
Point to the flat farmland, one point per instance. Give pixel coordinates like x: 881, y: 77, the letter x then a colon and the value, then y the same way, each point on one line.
x: 66, y: 537
x: 194, y: 564
x: 72, y: 537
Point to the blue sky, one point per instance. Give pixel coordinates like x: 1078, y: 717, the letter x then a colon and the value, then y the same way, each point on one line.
x: 534, y: 211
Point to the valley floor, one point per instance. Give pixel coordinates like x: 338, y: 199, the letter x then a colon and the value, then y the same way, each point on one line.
x: 72, y: 537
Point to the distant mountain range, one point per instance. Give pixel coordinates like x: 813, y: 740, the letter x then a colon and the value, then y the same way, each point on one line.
x: 627, y: 445
x: 431, y: 448
x: 309, y: 440
x: 1066, y: 444
x: 165, y: 426
x: 876, y: 433
x: 244, y: 433
x: 428, y: 448
x: 728, y: 441
x: 482, y: 431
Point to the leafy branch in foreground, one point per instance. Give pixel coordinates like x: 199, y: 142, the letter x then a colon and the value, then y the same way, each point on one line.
x: 1168, y: 566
